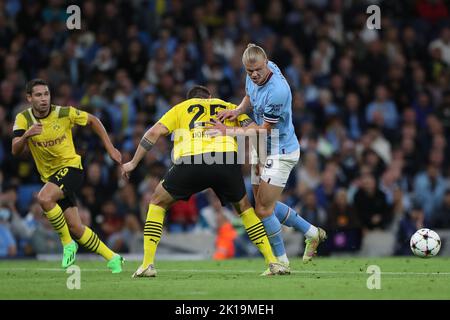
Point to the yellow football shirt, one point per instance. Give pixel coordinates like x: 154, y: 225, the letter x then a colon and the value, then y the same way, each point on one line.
x: 187, y: 123
x: 53, y: 149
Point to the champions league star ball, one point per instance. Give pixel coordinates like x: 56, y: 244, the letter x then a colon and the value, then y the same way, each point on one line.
x: 425, y: 243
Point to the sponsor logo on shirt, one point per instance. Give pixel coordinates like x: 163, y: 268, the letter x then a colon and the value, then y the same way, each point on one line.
x: 49, y: 143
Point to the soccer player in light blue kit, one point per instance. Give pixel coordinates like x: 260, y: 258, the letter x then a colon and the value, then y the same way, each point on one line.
x: 268, y: 92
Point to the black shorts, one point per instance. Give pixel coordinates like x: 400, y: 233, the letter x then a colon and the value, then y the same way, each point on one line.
x: 69, y: 180
x: 183, y: 180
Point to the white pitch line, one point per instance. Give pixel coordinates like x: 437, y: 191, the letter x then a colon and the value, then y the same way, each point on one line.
x: 233, y: 271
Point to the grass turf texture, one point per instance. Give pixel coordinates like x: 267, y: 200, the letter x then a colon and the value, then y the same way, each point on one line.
x: 326, y: 278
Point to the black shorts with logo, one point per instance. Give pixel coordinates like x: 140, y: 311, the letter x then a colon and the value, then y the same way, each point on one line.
x: 185, y: 179
x: 70, y: 180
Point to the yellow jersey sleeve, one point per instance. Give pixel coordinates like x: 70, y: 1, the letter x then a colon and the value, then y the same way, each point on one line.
x: 78, y: 116
x: 243, y: 120
x: 170, y: 119
x: 20, y: 123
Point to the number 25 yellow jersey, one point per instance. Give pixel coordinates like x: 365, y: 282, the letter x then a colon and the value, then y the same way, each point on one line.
x: 187, y: 122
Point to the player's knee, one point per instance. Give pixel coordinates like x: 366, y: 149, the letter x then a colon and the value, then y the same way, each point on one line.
x: 46, y: 201
x: 158, y: 201
x: 161, y: 199
x: 155, y: 200
x: 243, y: 205
x: 263, y: 211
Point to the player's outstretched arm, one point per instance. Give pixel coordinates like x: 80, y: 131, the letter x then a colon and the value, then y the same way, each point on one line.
x: 148, y: 140
x: 18, y: 143
x: 99, y: 129
x: 249, y: 129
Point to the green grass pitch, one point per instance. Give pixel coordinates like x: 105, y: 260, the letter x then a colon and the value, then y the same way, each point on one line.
x: 326, y: 278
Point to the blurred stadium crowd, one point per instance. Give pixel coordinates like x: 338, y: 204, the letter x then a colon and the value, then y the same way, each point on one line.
x: 371, y: 108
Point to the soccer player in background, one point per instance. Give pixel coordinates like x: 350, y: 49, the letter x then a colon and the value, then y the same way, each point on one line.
x: 268, y: 92
x: 47, y: 130
x: 200, y: 162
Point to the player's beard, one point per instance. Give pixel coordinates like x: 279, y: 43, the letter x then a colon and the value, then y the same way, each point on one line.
x: 41, y: 110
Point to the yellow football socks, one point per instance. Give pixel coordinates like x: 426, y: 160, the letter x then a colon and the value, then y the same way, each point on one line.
x: 257, y: 234
x: 152, y: 233
x: 57, y: 220
x: 91, y: 241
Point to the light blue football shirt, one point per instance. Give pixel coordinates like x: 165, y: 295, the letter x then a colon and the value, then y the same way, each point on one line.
x: 272, y: 102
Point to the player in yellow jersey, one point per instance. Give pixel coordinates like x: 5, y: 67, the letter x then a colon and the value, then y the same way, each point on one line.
x: 201, y: 162
x: 47, y: 130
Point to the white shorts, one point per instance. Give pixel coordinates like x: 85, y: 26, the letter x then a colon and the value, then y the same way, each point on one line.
x: 276, y: 169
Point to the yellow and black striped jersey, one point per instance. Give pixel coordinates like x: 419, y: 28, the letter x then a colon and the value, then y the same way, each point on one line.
x: 187, y: 122
x: 53, y: 149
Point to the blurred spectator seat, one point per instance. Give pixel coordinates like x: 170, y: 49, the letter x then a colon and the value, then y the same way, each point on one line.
x: 25, y: 195
x: 377, y: 243
x: 444, y: 234
x: 188, y: 243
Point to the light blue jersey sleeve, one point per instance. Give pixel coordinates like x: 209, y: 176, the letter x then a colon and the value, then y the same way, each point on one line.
x: 274, y: 107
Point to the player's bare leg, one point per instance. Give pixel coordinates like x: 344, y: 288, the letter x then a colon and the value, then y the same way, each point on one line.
x: 49, y: 195
x: 266, y: 199
x: 47, y: 198
x: 89, y: 239
x: 161, y: 197
x: 73, y: 219
x: 266, y: 196
x: 160, y: 202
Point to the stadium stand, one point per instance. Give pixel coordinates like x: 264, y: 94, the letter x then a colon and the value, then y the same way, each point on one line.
x: 371, y: 109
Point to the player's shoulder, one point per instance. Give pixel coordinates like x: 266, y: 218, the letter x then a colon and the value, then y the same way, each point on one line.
x: 24, y: 115
x: 220, y: 102
x: 276, y: 71
x: 59, y: 107
x: 272, y: 65
x: 23, y: 112
x: 204, y: 102
x: 278, y: 88
x: 185, y: 104
x: 66, y: 111
x: 61, y: 111
x: 23, y: 119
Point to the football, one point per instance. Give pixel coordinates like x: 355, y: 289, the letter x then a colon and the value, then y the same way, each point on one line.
x: 425, y: 243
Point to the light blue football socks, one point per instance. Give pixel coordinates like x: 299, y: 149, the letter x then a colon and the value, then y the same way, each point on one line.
x: 273, y: 230
x: 290, y: 218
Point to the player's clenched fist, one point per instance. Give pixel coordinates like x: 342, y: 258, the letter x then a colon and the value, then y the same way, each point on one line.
x: 34, y: 130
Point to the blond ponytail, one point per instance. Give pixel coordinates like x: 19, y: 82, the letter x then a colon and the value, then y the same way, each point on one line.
x: 253, y: 53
